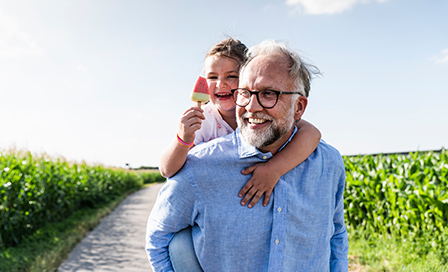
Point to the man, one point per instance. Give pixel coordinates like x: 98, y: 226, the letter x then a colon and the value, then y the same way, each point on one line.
x: 301, y: 229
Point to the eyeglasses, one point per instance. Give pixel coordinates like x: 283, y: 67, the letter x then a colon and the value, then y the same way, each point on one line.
x: 266, y: 98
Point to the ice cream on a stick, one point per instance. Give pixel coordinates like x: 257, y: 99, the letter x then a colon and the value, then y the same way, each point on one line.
x: 200, y: 92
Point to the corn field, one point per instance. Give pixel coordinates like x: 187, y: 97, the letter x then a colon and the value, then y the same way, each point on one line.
x: 37, y: 190
x: 402, y: 196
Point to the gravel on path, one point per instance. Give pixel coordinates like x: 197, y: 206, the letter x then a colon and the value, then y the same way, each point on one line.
x: 118, y: 242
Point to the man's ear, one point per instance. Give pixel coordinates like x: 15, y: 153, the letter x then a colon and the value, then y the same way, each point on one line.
x: 299, y: 107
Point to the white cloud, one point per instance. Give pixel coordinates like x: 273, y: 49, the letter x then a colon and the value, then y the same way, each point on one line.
x: 441, y: 58
x: 316, y: 7
x: 14, y: 42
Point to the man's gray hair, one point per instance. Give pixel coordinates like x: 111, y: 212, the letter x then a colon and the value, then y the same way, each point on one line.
x: 302, y: 73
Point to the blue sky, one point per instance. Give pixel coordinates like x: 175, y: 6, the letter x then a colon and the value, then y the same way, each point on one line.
x: 106, y: 81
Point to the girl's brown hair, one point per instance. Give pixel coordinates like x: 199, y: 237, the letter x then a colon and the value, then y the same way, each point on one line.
x: 230, y: 48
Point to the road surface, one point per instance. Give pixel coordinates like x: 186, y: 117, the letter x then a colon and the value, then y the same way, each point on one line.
x: 118, y: 242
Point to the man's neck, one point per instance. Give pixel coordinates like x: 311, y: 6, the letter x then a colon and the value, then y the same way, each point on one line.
x: 274, y: 147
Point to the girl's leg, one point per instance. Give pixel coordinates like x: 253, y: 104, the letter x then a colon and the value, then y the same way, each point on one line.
x: 182, y: 255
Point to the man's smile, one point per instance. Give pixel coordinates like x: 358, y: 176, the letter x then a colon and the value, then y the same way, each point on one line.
x: 256, y: 120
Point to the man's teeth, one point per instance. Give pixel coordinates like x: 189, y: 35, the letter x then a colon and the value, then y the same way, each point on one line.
x: 256, y: 121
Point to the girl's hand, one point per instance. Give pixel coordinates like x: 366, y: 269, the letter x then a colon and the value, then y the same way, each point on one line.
x: 190, y: 122
x: 262, y: 182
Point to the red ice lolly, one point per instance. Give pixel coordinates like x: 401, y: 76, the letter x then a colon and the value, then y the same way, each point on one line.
x: 200, y: 92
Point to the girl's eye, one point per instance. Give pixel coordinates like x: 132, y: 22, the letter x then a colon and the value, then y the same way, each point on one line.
x: 212, y: 77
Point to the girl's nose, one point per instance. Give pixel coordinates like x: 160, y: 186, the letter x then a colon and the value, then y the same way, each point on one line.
x: 222, y: 84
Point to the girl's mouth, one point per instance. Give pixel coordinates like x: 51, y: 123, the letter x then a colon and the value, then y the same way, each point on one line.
x: 223, y: 96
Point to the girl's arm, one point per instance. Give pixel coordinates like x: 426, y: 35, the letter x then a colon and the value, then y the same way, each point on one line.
x: 266, y: 175
x: 174, y: 156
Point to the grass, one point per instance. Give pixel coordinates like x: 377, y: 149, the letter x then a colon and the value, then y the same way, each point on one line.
x: 388, y: 255
x: 47, y: 249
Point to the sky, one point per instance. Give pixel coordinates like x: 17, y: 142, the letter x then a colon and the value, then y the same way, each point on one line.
x: 105, y: 81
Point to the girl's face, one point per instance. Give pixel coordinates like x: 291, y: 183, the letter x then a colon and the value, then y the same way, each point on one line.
x: 222, y: 76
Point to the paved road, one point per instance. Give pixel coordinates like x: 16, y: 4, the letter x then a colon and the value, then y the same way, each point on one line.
x: 118, y: 242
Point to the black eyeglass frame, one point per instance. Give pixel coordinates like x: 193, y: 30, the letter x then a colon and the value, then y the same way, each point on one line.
x: 257, y: 95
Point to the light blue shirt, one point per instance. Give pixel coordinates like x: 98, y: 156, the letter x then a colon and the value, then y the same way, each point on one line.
x: 301, y: 229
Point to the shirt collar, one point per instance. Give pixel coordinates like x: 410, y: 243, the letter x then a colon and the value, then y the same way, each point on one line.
x: 246, y: 150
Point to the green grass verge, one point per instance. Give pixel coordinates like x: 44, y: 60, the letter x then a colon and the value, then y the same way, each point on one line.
x: 386, y: 254
x: 47, y: 249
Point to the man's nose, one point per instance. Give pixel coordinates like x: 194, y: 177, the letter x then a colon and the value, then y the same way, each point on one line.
x: 253, y: 105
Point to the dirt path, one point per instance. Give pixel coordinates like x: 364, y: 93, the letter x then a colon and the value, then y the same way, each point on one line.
x: 118, y: 242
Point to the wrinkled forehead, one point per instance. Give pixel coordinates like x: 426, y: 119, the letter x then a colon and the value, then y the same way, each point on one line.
x: 267, y: 72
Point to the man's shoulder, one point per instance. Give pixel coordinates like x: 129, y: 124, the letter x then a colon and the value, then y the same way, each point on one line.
x: 208, y: 155
x: 328, y: 148
x: 215, y: 147
x: 329, y: 152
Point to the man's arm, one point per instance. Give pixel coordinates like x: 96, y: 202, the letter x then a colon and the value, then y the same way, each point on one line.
x: 172, y: 212
x: 339, y: 241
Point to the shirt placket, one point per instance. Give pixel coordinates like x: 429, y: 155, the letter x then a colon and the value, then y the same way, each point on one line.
x: 278, y: 228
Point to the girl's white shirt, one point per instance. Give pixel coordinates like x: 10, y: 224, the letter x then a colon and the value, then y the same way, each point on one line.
x: 213, y: 126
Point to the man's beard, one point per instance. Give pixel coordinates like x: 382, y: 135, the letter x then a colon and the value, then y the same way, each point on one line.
x: 269, y: 134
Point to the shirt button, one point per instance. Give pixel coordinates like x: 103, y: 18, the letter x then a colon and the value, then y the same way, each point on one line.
x: 279, y: 209
x: 277, y: 241
x: 265, y: 157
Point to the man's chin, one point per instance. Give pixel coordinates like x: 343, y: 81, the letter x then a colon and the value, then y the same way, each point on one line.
x: 257, y: 137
